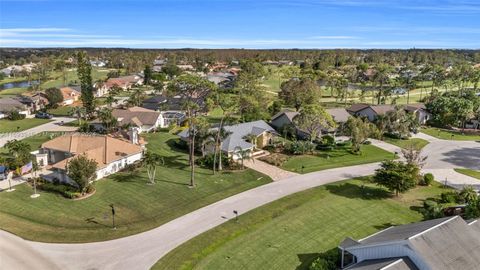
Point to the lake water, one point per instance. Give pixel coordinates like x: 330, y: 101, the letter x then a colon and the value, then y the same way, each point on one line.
x: 20, y: 84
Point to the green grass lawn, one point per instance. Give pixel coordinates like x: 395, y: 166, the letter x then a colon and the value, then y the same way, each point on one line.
x: 20, y: 125
x: 289, y: 233
x: 72, y: 78
x: 139, y: 207
x: 36, y: 141
x: 13, y: 79
x: 420, y: 143
x: 339, y: 157
x: 12, y: 92
x: 468, y: 172
x: 60, y: 111
x: 447, y: 134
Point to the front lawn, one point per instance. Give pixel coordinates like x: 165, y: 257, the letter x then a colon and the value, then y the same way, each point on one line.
x: 20, y: 125
x: 139, y: 207
x: 289, y: 233
x: 339, y: 157
x: 468, y: 172
x: 12, y: 92
x: 61, y: 111
x: 447, y: 134
x: 417, y: 142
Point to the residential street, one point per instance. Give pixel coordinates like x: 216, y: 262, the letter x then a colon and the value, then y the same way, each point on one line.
x: 50, y: 126
x: 141, y: 251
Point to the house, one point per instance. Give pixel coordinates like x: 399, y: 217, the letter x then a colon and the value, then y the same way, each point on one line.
x: 98, y: 63
x: 440, y: 244
x: 144, y: 120
x: 124, y: 83
x: 12, y: 104
x: 282, y: 119
x: 224, y: 80
x: 371, y: 112
x: 111, y: 154
x: 245, y: 137
x: 70, y: 94
x: 167, y: 103
x: 35, y: 101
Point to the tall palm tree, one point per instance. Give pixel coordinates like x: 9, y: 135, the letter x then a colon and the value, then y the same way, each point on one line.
x: 78, y: 112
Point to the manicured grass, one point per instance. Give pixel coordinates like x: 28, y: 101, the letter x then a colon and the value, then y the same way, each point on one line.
x: 339, y: 157
x: 12, y: 92
x: 139, y: 207
x: 60, y: 111
x: 447, y: 134
x: 36, y: 141
x: 13, y: 79
x: 417, y: 142
x: 72, y: 78
x: 468, y: 172
x: 289, y: 233
x: 20, y: 125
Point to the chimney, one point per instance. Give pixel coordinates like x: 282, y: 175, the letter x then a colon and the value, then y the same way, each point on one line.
x: 133, y: 134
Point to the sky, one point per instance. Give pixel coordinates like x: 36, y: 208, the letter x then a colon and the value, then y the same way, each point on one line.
x: 259, y: 24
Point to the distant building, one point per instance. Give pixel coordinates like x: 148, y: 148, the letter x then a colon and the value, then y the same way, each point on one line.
x: 440, y: 244
x: 70, y: 94
x: 371, y: 112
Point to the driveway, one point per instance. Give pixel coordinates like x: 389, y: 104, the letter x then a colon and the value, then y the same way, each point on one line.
x: 50, y: 126
x: 273, y: 172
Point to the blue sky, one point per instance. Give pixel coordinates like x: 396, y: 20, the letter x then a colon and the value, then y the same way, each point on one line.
x: 241, y: 23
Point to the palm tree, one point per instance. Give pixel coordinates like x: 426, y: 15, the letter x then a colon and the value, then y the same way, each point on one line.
x: 243, y: 154
x: 108, y: 120
x: 150, y: 162
x: 222, y: 134
x: 381, y: 77
x: 78, y: 112
x: 469, y: 194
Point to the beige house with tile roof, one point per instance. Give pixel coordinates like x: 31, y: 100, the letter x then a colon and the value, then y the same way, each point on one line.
x: 111, y: 154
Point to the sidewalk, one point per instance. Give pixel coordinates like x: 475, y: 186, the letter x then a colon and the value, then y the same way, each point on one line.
x: 4, y: 185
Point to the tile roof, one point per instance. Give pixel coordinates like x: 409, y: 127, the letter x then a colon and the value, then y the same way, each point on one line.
x: 69, y: 92
x: 102, y: 148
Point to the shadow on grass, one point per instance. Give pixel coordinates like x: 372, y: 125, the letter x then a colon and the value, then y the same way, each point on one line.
x: 353, y: 191
x: 124, y: 177
x: 92, y: 220
x: 383, y: 226
x: 306, y: 260
x: 173, y: 182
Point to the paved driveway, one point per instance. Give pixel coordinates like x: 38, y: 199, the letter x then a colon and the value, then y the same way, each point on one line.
x: 50, y: 126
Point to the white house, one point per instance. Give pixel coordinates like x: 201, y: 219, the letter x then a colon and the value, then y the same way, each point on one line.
x: 111, y: 154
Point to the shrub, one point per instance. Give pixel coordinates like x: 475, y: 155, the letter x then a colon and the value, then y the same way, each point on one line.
x: 326, y: 261
x: 207, y: 161
x: 300, y: 147
x: 66, y: 191
x: 432, y: 209
x: 14, y: 116
x: 428, y: 179
x: 275, y: 159
x: 328, y: 140
x: 450, y: 197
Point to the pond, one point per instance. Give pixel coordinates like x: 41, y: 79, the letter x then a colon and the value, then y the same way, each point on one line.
x: 20, y: 84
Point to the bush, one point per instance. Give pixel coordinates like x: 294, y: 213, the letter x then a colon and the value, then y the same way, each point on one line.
x: 432, y: 210
x: 300, y: 147
x: 207, y: 161
x: 428, y: 179
x: 14, y: 116
x: 326, y: 261
x: 66, y: 191
x: 328, y: 140
x: 450, y: 197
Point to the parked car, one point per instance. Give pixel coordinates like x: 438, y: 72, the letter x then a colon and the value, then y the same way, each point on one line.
x: 43, y: 115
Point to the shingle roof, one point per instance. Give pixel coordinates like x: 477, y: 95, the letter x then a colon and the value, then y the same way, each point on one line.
x: 402, y: 232
x: 103, y: 149
x: 340, y: 115
x: 357, y: 107
x: 289, y: 114
x: 10, y: 104
x: 238, y: 133
x: 136, y: 115
x: 402, y: 263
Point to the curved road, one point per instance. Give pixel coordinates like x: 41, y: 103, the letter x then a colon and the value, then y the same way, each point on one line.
x: 141, y: 251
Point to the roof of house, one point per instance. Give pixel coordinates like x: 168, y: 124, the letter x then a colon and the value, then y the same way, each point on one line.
x: 445, y: 243
x: 382, y: 109
x: 289, y: 114
x: 68, y: 92
x: 340, y: 115
x: 102, y: 148
x: 10, y: 104
x: 238, y: 133
x: 137, y: 116
x: 358, y: 107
